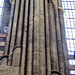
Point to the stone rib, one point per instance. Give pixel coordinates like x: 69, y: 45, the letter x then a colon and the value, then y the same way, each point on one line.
x: 53, y: 45
x: 36, y: 39
x: 63, y: 38
x: 23, y: 66
x: 17, y: 52
x: 29, y: 57
x: 42, y: 39
x: 59, y: 46
x: 47, y: 39
x: 14, y: 29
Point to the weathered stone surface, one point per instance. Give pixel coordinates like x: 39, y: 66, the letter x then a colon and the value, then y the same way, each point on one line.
x: 7, y: 70
x: 34, y: 25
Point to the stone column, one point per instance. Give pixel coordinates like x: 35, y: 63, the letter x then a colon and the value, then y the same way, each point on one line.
x: 53, y: 44
x: 34, y: 39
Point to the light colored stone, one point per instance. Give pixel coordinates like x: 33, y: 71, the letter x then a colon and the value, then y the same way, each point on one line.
x: 7, y: 70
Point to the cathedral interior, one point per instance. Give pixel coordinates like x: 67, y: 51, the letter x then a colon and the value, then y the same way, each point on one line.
x: 37, y: 37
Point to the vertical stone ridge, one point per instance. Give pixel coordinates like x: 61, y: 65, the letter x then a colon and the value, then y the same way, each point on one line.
x: 25, y: 36
x: 29, y: 56
x: 36, y: 70
x: 14, y: 29
x: 58, y: 36
x: 16, y: 59
x: 42, y: 39
x: 46, y: 20
x: 53, y: 44
x: 27, y: 40
x: 63, y: 38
